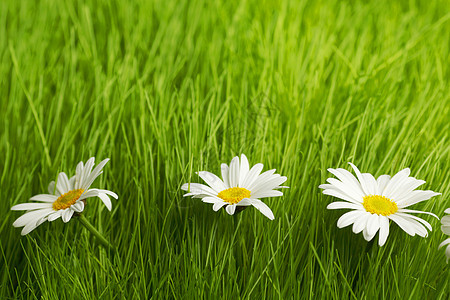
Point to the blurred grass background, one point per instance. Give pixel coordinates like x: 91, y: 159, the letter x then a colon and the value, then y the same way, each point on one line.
x: 167, y: 88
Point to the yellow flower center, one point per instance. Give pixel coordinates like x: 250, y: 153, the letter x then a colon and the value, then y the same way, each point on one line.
x: 234, y: 195
x: 66, y: 200
x: 379, y: 205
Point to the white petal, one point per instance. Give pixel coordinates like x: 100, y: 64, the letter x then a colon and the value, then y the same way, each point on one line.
x: 87, y: 171
x: 403, y: 224
x: 371, y: 184
x: 445, y: 220
x: 72, y: 182
x: 244, y: 168
x: 417, y: 219
x: 51, y: 188
x: 245, y: 202
x: 78, y: 206
x: 219, y: 205
x: 403, y: 210
x: 79, y: 175
x: 360, y: 223
x: 110, y: 193
x: 54, y: 216
x: 62, y: 184
x: 409, y: 184
x: 28, y: 228
x: 368, y: 237
x: 416, y: 197
x: 338, y: 194
x: 261, y: 179
x: 346, y: 189
x: 395, y: 182
x: 234, y: 172
x: 447, y: 211
x: 31, y: 206
x: 32, y: 216
x: 94, y: 174
x: 225, y: 174
x: 105, y: 200
x: 270, y: 193
x: 67, y: 215
x: 230, y: 209
x: 382, y: 182
x: 445, y: 229
x: 345, y: 205
x: 446, y: 242
x: 373, y: 224
x: 89, y: 194
x: 44, y: 198
x: 447, y: 253
x: 348, y: 180
x: 263, y: 208
x: 198, y: 189
x: 348, y: 218
x: 384, y: 230
x: 268, y: 185
x: 361, y: 179
x: 212, y: 180
x: 211, y: 200
x: 252, y: 175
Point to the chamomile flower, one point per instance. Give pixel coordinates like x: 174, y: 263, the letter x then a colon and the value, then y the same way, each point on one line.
x: 446, y: 230
x: 376, y: 201
x: 241, y: 186
x: 65, y: 197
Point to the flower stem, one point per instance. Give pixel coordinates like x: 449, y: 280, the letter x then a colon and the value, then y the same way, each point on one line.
x: 95, y: 232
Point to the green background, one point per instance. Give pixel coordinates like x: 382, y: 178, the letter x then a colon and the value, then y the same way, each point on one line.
x: 167, y: 88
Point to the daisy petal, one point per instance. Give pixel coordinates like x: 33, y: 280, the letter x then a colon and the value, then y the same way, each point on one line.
x: 54, y: 216
x: 345, y: 205
x: 213, y: 181
x: 78, y: 207
x: 268, y: 193
x: 28, y: 228
x: 105, y: 200
x: 225, y: 174
x: 382, y: 182
x: 67, y: 215
x: 384, y: 230
x: 360, y: 223
x: 373, y: 224
x: 32, y: 216
x: 31, y: 206
x: 263, y: 208
x: 394, y: 182
x: 244, y: 168
x: 51, y: 188
x: 348, y: 218
x: 44, y: 198
x: 230, y: 209
x: 218, y: 205
x: 252, y: 175
x: 234, y: 172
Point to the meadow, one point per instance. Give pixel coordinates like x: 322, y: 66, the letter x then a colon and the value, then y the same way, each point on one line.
x: 168, y: 88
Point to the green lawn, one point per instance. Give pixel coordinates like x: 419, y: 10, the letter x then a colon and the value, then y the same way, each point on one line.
x: 168, y: 88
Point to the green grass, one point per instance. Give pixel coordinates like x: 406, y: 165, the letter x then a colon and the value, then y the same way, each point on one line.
x: 167, y: 88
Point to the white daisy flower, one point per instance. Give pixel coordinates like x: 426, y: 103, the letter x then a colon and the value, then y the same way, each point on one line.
x: 241, y: 186
x: 65, y: 198
x: 376, y: 201
x: 446, y: 230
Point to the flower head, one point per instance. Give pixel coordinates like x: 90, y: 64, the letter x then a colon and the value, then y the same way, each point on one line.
x: 446, y: 230
x: 65, y: 197
x: 376, y: 201
x: 241, y: 186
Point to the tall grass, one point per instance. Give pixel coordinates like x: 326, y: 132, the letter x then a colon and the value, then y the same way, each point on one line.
x: 167, y: 88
